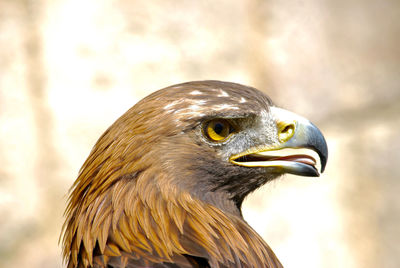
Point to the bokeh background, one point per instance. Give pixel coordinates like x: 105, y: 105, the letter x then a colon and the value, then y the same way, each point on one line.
x: 69, y: 68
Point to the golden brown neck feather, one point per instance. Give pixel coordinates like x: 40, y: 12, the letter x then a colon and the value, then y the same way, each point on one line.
x: 146, y: 220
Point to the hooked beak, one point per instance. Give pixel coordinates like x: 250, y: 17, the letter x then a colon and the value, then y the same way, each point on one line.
x: 301, y: 149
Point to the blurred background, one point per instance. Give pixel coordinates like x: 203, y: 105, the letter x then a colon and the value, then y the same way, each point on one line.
x: 69, y: 68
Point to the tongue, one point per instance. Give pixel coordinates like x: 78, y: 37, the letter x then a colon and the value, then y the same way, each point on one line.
x: 305, y: 159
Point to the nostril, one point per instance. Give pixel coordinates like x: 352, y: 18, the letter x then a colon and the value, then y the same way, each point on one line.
x: 287, y: 129
x: 286, y: 132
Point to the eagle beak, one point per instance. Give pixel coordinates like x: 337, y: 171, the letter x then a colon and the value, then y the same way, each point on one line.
x: 301, y: 149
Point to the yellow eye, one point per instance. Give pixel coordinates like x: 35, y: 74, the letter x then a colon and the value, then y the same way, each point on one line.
x: 218, y: 129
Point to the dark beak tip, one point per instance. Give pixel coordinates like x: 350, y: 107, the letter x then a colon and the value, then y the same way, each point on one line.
x: 323, y: 167
x: 319, y: 144
x: 324, y: 156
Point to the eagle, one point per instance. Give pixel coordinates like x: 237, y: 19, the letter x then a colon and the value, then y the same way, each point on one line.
x: 164, y: 185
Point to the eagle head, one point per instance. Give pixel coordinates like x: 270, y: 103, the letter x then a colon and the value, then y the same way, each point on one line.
x: 165, y: 183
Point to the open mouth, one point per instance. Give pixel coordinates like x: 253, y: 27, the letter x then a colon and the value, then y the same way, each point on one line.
x: 298, y: 161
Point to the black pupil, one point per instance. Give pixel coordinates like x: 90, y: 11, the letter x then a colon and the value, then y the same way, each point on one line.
x: 218, y: 127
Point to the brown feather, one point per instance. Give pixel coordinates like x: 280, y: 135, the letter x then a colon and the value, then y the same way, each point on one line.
x: 126, y: 209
